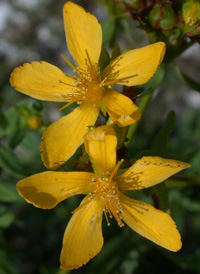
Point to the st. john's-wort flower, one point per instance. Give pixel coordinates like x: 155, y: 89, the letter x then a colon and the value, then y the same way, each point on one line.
x: 90, y: 88
x: 105, y: 194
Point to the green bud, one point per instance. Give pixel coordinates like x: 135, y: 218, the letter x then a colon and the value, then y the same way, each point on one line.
x: 191, y: 12
x: 162, y: 17
x: 133, y: 3
x: 169, y: 17
x: 154, y: 15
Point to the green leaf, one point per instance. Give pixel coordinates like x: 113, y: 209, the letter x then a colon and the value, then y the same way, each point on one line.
x: 5, y: 264
x: 160, y: 197
x: 104, y: 59
x: 115, y: 52
x: 155, y: 81
x: 161, y: 140
x: 187, y: 80
x: 8, y: 193
x: 125, y: 26
x: 121, y: 133
x: 110, y: 248
x: 103, y: 110
x: 183, y: 181
x: 109, y: 30
x: 190, y: 262
x: 6, y: 217
x: 145, y: 99
x: 3, y: 121
x: 10, y: 163
x: 15, y: 137
x: 63, y: 271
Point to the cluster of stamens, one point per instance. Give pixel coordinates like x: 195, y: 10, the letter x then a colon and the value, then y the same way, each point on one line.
x: 88, y: 85
x: 105, y: 188
x: 107, y: 191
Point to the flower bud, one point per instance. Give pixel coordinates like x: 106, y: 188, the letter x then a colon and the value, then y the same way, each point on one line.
x: 191, y: 12
x: 162, y: 17
x: 34, y: 121
x: 133, y: 3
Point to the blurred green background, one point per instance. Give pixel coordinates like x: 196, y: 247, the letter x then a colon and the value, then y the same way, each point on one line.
x: 31, y: 238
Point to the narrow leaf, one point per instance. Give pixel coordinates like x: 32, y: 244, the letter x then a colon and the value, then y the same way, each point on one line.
x: 104, y: 59
x: 15, y: 137
x: 6, y: 217
x: 8, y: 193
x: 187, y: 80
x: 160, y: 197
x: 161, y: 140
x: 3, y: 120
x: 10, y: 163
x: 115, y: 52
x: 109, y: 29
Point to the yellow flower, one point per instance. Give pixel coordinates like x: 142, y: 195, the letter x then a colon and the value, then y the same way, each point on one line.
x: 90, y: 88
x: 83, y: 236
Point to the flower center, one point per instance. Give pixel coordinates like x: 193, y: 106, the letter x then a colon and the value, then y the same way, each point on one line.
x: 87, y: 85
x: 105, y: 188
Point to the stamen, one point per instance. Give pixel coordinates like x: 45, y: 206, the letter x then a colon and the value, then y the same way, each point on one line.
x: 111, y: 82
x: 91, y: 65
x: 115, y: 81
x: 106, y: 218
x: 102, y: 82
x: 65, y: 106
x: 115, y: 170
x: 70, y: 64
x: 66, y: 84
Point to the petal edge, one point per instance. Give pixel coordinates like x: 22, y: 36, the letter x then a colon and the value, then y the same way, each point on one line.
x: 83, y: 236
x: 63, y: 137
x: 47, y: 189
x: 151, y: 223
x: 83, y: 32
x: 42, y: 81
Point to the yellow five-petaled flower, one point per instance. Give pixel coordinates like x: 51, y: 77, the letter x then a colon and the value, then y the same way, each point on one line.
x: 105, y: 194
x: 91, y: 88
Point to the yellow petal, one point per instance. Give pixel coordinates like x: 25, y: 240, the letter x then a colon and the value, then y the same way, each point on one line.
x: 151, y: 223
x: 100, y: 145
x: 83, y: 32
x: 47, y: 189
x: 149, y: 171
x: 63, y: 137
x: 137, y: 66
x: 120, y: 108
x: 42, y: 81
x: 83, y: 236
